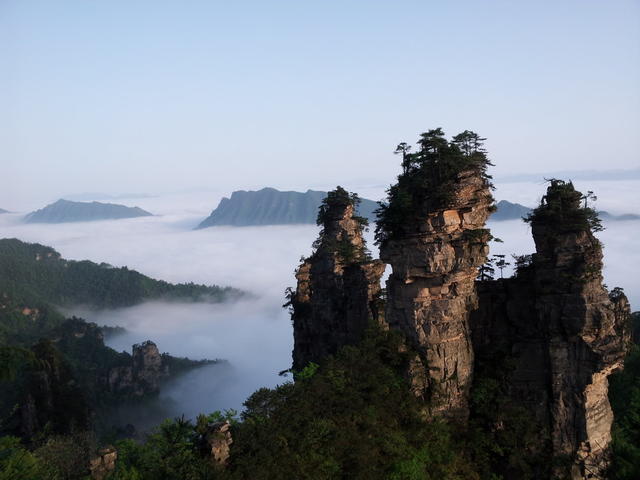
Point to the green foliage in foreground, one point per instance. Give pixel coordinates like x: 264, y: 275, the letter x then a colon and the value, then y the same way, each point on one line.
x: 353, y: 417
x: 624, y: 393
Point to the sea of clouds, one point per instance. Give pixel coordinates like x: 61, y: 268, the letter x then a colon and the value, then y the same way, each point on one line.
x: 254, y: 334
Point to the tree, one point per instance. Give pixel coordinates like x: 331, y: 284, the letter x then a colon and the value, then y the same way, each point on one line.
x: 501, y: 263
x: 469, y: 142
x: 404, y: 149
x: 486, y: 271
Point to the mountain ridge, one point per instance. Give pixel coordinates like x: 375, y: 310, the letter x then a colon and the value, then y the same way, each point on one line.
x: 270, y: 206
x: 64, y: 211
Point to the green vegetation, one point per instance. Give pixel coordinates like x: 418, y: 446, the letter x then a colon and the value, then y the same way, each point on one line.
x: 335, y: 203
x: 30, y: 272
x: 56, y: 373
x: 428, y: 178
x: 504, y: 437
x: 624, y: 394
x: 353, y: 417
x: 564, y: 209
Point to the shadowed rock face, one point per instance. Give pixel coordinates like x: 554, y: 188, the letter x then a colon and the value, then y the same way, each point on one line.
x: 550, y: 336
x: 431, y: 292
x: 144, y: 375
x: 564, y: 336
x: 337, y: 289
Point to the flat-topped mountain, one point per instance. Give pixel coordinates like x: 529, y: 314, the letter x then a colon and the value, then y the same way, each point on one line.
x: 67, y: 211
x: 274, y: 207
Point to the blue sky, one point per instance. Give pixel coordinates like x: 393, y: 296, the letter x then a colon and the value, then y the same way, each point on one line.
x: 150, y: 96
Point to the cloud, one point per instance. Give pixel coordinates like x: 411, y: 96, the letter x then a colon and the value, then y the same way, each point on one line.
x: 255, y: 334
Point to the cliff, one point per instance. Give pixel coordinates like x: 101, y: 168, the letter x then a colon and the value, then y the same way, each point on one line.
x: 273, y: 207
x: 434, y: 246
x: 143, y: 376
x: 561, y: 334
x: 521, y: 362
x: 64, y: 211
x: 338, y: 285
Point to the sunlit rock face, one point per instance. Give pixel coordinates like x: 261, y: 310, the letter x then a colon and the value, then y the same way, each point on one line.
x: 562, y: 335
x: 431, y: 291
x: 338, y: 288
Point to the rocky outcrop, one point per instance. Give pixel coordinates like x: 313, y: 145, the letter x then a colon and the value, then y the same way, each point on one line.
x: 103, y: 463
x: 536, y: 349
x: 431, y: 291
x: 562, y: 336
x: 338, y: 288
x: 134, y: 375
x: 218, y: 440
x: 143, y: 376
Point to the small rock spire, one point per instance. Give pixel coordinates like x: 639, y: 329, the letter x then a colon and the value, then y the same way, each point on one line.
x: 338, y: 287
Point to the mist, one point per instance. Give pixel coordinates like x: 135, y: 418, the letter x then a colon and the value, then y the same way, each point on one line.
x: 254, y: 334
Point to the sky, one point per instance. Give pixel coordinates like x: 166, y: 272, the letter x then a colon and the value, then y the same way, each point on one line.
x: 159, y: 96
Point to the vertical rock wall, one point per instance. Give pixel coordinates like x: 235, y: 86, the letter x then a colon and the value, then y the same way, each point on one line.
x: 337, y: 289
x: 564, y: 336
x: 431, y: 292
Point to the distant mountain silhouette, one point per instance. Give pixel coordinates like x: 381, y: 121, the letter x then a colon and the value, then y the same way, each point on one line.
x: 67, y: 211
x: 273, y: 207
x: 509, y: 211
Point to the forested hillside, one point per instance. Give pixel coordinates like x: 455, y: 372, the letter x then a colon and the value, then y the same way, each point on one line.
x: 30, y: 272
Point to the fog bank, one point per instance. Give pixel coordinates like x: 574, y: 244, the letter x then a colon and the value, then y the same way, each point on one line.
x: 255, y: 334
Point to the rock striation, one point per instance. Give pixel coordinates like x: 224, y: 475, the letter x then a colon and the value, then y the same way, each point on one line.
x: 533, y: 351
x: 431, y: 291
x: 561, y: 333
x: 338, y: 286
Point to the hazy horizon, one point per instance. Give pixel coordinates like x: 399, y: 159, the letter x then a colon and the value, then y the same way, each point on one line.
x: 255, y: 334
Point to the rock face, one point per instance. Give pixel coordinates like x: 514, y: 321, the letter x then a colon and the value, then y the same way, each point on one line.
x: 539, y: 345
x: 556, y: 325
x: 338, y: 288
x: 218, y: 440
x: 431, y: 292
x: 143, y: 376
x: 103, y: 463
